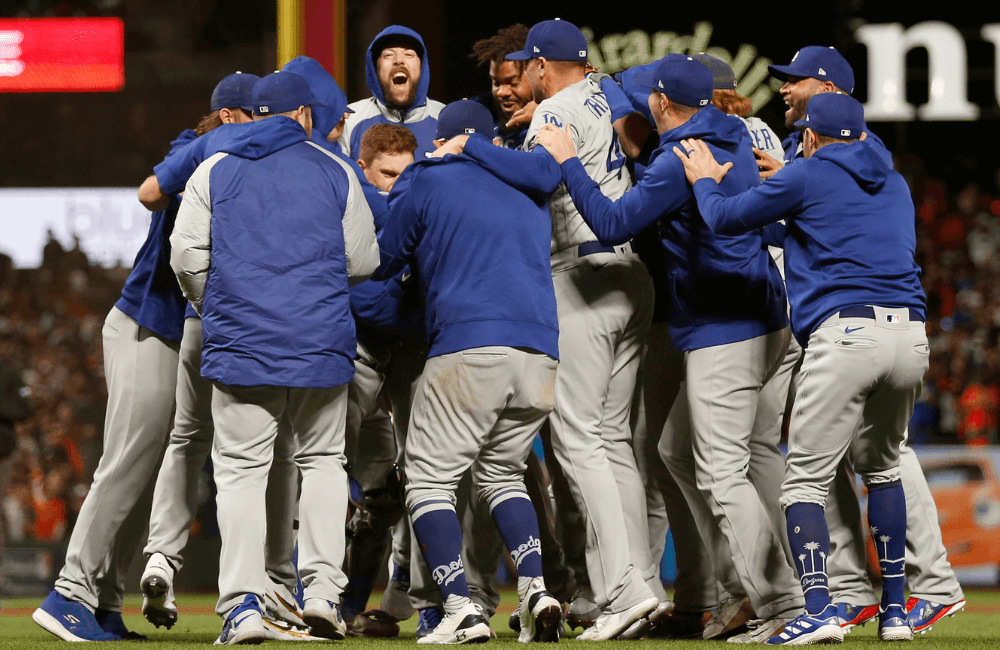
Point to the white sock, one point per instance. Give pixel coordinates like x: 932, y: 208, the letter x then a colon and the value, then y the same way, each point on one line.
x: 455, y: 602
x: 524, y: 583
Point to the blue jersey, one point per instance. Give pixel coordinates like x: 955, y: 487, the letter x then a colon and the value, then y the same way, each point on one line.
x: 481, y: 253
x: 849, y: 231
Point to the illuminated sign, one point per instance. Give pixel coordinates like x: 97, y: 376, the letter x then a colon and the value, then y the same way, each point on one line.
x: 62, y: 55
x: 615, y: 52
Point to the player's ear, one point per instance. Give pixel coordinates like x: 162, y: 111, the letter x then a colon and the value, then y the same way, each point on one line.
x: 362, y: 165
x: 438, y: 143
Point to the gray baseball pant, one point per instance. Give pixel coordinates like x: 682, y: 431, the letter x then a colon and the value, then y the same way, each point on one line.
x: 246, y: 422
x: 140, y: 368
x: 605, y: 306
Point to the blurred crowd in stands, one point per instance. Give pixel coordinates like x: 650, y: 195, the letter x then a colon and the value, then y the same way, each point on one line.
x: 50, y: 348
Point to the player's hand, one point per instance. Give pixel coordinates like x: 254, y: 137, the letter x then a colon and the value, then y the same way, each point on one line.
x: 766, y: 165
x: 456, y: 146
x: 522, y: 117
x: 557, y: 142
x: 699, y: 162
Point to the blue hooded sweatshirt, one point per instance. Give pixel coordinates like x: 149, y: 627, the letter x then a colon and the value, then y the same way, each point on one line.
x: 849, y: 237
x: 151, y: 296
x: 276, y: 310
x: 793, y: 147
x: 723, y: 288
x: 480, y: 249
x: 420, y: 118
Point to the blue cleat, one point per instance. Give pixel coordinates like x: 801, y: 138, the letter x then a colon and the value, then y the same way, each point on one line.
x: 244, y: 625
x: 892, y: 624
x: 923, y: 613
x: 811, y: 629
x: 70, y: 620
x: 430, y: 618
x: 112, y: 623
x: 853, y: 615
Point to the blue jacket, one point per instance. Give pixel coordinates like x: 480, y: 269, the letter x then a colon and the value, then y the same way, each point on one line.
x: 849, y: 231
x: 151, y: 295
x: 275, y: 305
x: 420, y: 118
x: 481, y: 252
x: 723, y: 288
x: 792, y: 143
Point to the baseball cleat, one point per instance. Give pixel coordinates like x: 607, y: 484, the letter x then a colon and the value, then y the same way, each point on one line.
x: 157, y: 588
x: 728, y: 618
x: 582, y: 611
x: 608, y: 626
x: 112, y: 623
x: 760, y: 630
x: 280, y: 603
x: 70, y: 620
x: 324, y: 619
x: 428, y: 619
x: 892, y: 624
x: 539, y: 615
x: 810, y: 629
x: 853, y: 615
x: 277, y: 629
x: 244, y: 625
x: 641, y: 628
x: 467, y: 625
x: 395, y: 599
x: 373, y: 624
x: 923, y: 614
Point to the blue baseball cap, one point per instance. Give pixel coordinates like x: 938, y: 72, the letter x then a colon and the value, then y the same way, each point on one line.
x: 723, y: 77
x: 834, y: 114
x: 280, y: 92
x: 464, y: 117
x: 557, y: 40
x: 681, y: 78
x: 818, y: 62
x: 233, y: 91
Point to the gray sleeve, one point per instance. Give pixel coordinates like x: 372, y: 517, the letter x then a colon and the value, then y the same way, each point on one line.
x: 191, y: 240
x: 360, y: 244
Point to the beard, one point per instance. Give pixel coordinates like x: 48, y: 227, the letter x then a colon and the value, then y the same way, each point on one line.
x: 400, y: 97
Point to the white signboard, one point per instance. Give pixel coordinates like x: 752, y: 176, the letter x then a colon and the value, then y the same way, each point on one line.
x: 110, y: 223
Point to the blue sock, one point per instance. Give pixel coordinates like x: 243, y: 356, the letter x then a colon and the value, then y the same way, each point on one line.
x: 809, y: 537
x: 887, y: 520
x: 515, y: 518
x: 439, y: 534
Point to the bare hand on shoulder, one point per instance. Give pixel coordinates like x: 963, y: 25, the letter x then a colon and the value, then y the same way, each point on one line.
x: 699, y: 162
x: 557, y: 142
x: 766, y: 165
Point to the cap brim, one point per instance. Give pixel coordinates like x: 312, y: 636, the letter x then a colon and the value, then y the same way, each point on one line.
x: 801, y: 124
x: 518, y: 56
x: 645, y: 78
x: 785, y: 71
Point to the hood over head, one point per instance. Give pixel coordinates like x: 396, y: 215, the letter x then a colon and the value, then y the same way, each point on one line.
x: 376, y: 47
x: 264, y: 137
x: 324, y: 87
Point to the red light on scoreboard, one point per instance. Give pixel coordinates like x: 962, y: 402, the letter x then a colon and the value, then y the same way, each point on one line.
x: 62, y: 55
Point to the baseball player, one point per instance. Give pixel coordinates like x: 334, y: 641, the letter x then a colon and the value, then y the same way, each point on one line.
x: 488, y: 382
x: 141, y: 335
x: 398, y: 74
x: 861, y: 323
x: 510, y: 91
x: 728, y: 317
x: 278, y: 340
x: 604, y: 298
x: 935, y: 591
x: 174, y: 499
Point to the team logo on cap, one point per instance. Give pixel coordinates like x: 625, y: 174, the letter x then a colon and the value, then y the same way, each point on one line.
x: 845, y: 132
x: 262, y: 109
x: 703, y: 102
x: 470, y: 130
x: 583, y: 52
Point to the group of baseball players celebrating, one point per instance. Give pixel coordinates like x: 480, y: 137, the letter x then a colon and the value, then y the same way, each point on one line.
x: 369, y: 312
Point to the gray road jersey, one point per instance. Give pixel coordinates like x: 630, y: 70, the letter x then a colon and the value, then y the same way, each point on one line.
x: 584, y: 107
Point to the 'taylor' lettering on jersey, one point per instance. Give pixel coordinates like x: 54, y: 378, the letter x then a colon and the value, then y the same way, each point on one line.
x: 445, y: 573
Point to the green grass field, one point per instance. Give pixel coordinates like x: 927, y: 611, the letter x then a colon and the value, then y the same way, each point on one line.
x: 977, y: 627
